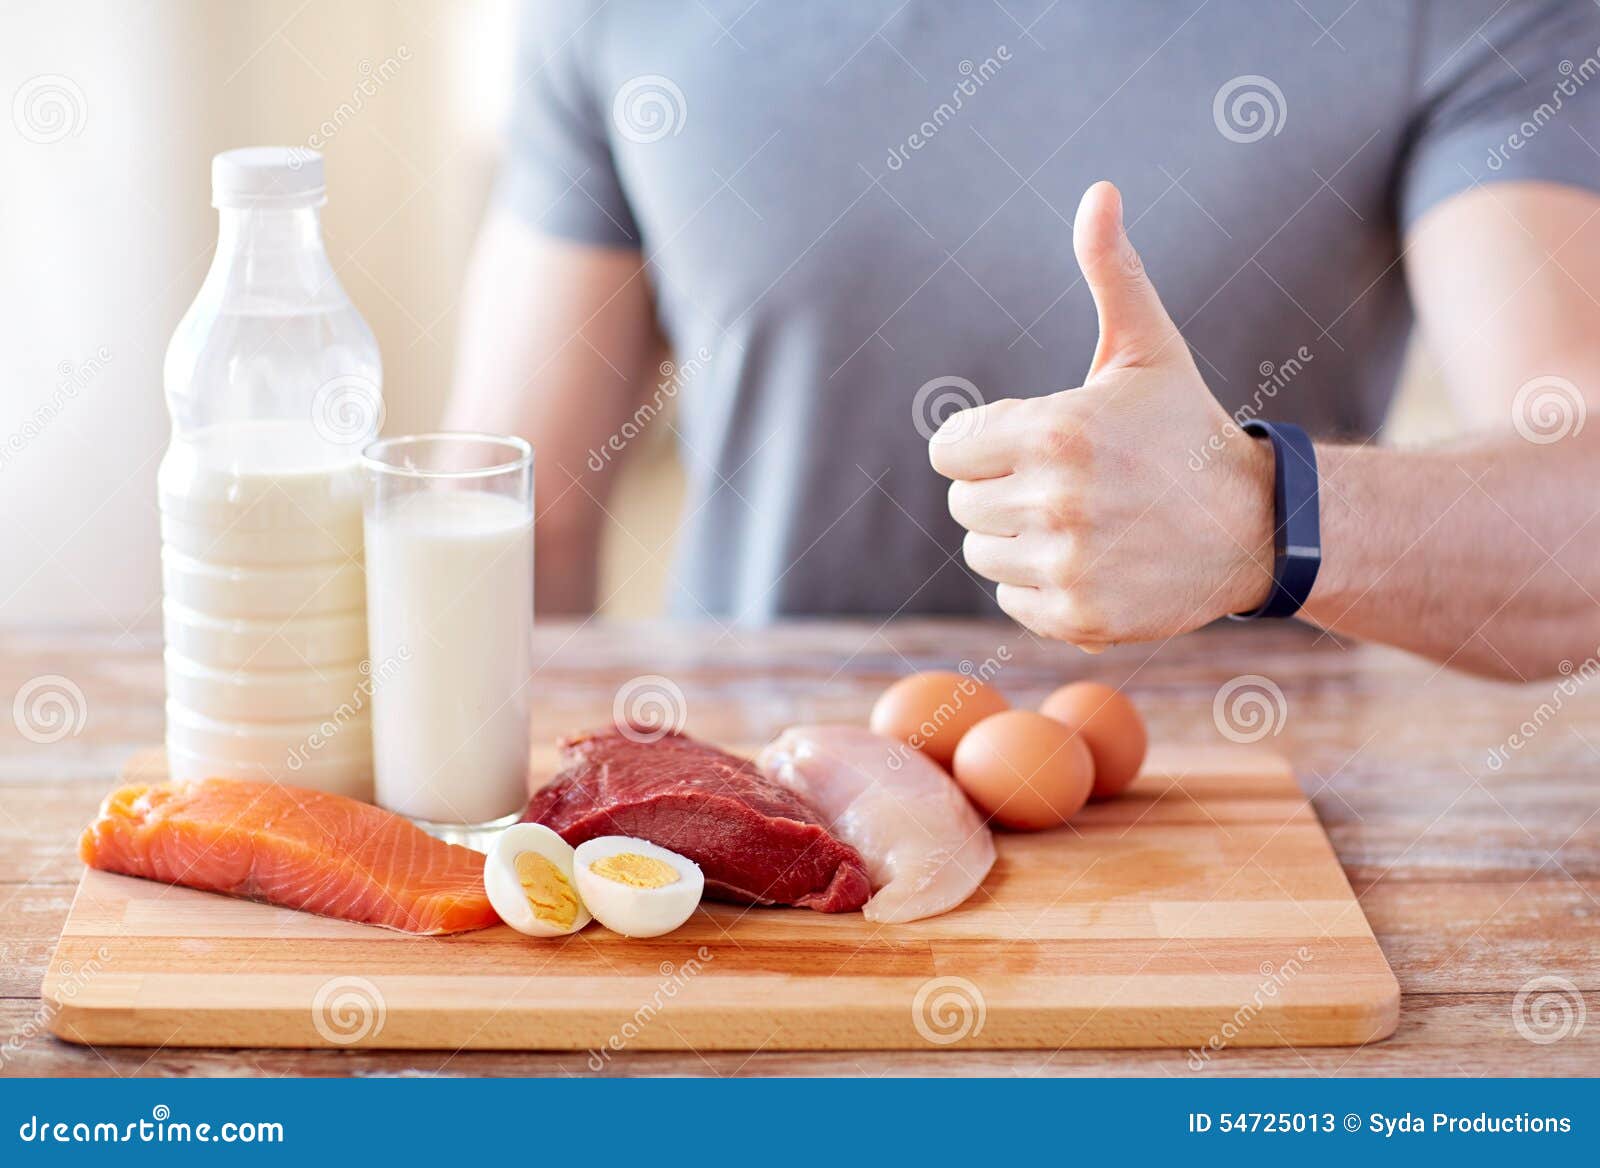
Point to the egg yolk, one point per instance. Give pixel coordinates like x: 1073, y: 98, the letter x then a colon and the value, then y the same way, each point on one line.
x: 550, y: 896
x: 636, y: 871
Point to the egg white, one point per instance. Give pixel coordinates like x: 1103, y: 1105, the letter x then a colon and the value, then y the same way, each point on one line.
x: 504, y: 887
x: 637, y: 912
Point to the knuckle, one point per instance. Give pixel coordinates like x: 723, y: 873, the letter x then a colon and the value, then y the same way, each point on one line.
x: 1000, y: 409
x: 1100, y: 610
x: 1058, y: 439
x: 1062, y: 434
x: 1058, y: 622
x: 1060, y: 507
x: 1085, y: 603
x: 1063, y: 571
x: 1091, y: 624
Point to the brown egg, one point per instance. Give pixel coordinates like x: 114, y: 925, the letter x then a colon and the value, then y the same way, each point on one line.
x: 1024, y: 770
x: 1109, y: 723
x: 931, y: 711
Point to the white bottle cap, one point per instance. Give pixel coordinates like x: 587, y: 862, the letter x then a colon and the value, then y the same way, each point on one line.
x: 267, y: 176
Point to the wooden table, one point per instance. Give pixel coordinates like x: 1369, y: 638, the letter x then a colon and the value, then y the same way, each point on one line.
x: 1476, y: 854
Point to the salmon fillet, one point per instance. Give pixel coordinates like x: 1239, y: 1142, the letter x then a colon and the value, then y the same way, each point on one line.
x: 299, y: 849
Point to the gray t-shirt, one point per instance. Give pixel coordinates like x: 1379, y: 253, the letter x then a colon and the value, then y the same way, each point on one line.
x: 862, y: 211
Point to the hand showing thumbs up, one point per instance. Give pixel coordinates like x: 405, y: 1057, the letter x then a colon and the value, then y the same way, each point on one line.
x: 1083, y: 506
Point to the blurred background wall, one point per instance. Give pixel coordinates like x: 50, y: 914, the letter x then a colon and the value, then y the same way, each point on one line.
x: 112, y: 113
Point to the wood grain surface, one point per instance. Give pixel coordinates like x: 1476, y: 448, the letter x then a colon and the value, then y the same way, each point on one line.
x: 1203, y: 908
x: 1464, y: 814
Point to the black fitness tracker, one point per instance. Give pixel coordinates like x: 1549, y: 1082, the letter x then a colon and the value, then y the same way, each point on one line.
x: 1297, y: 531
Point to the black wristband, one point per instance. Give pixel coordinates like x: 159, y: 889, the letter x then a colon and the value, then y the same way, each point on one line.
x: 1297, y: 528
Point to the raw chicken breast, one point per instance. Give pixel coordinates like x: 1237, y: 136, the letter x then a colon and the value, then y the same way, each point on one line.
x: 926, y: 849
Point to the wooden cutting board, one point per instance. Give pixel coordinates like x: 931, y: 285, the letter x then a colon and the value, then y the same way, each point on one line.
x: 1205, y: 907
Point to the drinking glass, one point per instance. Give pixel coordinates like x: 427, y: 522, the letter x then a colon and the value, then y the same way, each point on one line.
x: 448, y: 523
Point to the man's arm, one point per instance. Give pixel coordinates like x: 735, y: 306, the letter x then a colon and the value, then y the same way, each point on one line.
x: 1134, y: 508
x: 557, y: 344
x: 1486, y: 552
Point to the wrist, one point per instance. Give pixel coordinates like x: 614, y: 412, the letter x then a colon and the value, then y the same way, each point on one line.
x: 1253, y: 525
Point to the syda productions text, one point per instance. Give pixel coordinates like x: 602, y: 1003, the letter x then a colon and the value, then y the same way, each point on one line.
x: 1376, y: 1123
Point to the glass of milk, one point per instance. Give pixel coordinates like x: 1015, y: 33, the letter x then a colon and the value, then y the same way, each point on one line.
x: 449, y: 575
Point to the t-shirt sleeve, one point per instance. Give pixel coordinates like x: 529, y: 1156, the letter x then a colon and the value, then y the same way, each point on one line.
x: 559, y: 173
x: 1507, y: 93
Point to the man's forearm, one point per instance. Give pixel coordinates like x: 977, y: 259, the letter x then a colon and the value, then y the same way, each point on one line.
x: 1483, y: 555
x: 566, y: 562
x: 557, y: 345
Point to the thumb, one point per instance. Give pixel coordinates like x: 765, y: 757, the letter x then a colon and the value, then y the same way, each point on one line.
x: 1134, y: 327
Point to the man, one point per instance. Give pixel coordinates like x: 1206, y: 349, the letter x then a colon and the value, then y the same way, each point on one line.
x: 848, y: 218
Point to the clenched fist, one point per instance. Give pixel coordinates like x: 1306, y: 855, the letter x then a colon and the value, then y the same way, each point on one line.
x: 1084, y: 506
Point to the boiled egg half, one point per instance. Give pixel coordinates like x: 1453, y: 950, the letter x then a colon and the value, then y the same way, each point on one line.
x: 634, y: 887
x: 528, y: 875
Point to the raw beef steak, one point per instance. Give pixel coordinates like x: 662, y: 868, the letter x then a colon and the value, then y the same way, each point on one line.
x: 756, y: 842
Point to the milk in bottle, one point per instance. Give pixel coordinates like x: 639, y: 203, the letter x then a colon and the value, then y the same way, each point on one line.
x: 274, y: 385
